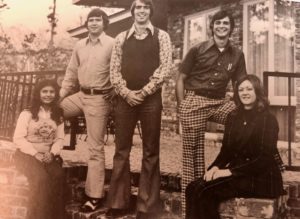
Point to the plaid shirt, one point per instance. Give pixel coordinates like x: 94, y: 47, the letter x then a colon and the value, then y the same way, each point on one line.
x: 159, y: 75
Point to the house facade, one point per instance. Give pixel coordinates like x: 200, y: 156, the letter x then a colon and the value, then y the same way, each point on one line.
x: 268, y: 32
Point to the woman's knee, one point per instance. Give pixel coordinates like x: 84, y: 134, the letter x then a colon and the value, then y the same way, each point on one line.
x: 42, y: 178
x: 55, y: 171
x: 194, y: 186
x: 59, y: 174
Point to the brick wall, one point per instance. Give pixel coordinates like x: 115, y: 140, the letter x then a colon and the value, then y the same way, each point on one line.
x: 14, y: 193
x: 13, y: 189
x: 297, y: 69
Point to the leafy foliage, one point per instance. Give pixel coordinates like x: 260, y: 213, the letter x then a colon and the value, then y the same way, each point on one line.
x: 31, y: 56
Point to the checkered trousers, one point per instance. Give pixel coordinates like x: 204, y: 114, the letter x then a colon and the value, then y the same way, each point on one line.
x: 194, y: 112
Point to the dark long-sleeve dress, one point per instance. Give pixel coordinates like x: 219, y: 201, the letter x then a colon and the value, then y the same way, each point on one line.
x: 250, y: 152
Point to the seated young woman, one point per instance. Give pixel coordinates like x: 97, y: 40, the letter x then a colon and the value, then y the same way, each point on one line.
x: 248, y: 164
x: 39, y: 136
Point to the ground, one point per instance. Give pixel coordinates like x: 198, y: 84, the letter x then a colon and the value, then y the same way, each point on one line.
x: 170, y: 154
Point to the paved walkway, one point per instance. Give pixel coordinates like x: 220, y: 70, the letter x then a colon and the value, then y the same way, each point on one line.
x: 170, y: 155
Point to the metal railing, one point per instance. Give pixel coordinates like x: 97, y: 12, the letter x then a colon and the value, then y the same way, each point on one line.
x: 289, y: 76
x: 16, y: 91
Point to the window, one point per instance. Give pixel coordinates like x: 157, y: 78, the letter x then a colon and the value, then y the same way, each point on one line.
x: 268, y: 43
x: 197, y: 28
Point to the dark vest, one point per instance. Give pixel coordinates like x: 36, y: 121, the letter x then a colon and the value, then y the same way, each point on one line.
x: 139, y: 60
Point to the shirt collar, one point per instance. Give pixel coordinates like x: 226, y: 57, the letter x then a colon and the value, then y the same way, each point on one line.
x: 100, y: 38
x: 133, y: 29
x: 212, y: 43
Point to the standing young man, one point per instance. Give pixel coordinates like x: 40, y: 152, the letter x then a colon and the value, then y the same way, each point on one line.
x: 201, y: 85
x: 89, y: 65
x: 141, y: 60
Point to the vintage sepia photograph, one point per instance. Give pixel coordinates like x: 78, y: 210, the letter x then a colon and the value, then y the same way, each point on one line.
x: 149, y: 109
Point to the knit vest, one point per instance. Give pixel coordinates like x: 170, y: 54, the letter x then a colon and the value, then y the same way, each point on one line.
x: 140, y: 59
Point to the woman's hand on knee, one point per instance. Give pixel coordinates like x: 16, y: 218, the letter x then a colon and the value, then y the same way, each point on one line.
x: 208, y: 176
x: 221, y: 173
x: 39, y: 156
x: 48, y: 157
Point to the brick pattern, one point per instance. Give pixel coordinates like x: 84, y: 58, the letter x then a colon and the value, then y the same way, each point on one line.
x: 13, y: 187
x: 293, y: 202
x: 171, y: 207
x: 297, y: 69
x: 13, y: 194
x: 254, y: 208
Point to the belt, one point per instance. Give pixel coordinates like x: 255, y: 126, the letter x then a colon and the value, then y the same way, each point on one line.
x: 92, y: 91
x: 209, y: 94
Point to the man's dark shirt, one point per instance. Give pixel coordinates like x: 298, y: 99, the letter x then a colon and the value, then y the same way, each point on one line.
x: 209, y: 70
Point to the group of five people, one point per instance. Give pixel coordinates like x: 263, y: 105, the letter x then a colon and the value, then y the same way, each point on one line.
x: 130, y: 70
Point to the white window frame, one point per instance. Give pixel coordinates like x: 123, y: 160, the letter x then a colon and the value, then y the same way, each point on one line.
x: 274, y: 100
x: 186, y: 26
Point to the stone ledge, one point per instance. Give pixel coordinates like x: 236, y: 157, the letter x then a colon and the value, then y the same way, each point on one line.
x: 170, y: 182
x: 251, y: 208
x: 255, y: 208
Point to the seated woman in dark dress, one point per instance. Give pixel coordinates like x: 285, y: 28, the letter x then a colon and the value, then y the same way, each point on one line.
x: 248, y: 164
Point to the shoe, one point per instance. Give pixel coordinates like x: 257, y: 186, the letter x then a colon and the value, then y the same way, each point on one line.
x: 113, y: 213
x: 146, y: 215
x: 91, y: 205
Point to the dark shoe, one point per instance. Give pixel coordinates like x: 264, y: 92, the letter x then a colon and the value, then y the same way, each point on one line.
x: 115, y: 213
x: 144, y: 215
x: 91, y: 205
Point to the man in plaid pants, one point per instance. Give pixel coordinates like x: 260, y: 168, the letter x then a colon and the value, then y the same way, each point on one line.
x: 201, y: 86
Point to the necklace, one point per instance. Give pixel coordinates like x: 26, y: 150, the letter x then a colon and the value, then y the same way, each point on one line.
x: 244, y: 120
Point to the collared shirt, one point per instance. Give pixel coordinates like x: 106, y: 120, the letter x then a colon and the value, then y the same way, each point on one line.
x: 159, y: 75
x: 89, y: 64
x: 149, y: 27
x: 44, y: 135
x: 208, y: 69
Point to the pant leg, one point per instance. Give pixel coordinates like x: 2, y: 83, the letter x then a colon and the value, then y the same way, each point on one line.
x: 221, y: 112
x: 204, y: 198
x: 120, y: 186
x: 149, y: 184
x: 39, y: 184
x: 193, y: 115
x: 72, y: 106
x: 57, y: 185
x: 96, y: 111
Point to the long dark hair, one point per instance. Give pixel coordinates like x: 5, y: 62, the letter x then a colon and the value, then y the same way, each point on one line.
x: 262, y: 102
x: 36, y: 103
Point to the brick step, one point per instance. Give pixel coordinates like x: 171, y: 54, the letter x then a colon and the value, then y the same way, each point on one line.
x: 14, y: 193
x: 73, y: 213
x: 170, y: 203
x: 250, y: 208
x: 14, y: 187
